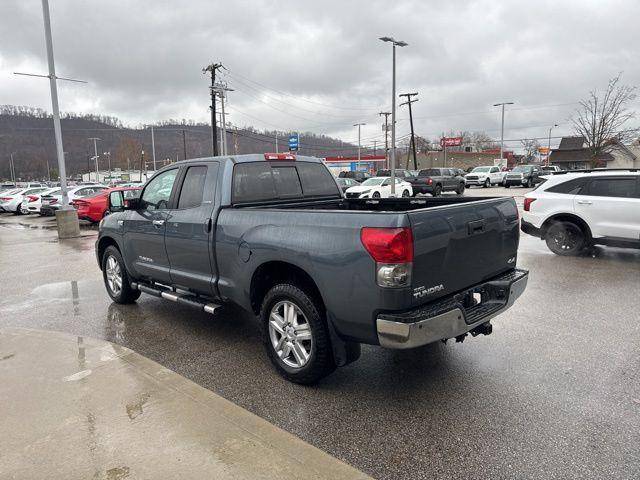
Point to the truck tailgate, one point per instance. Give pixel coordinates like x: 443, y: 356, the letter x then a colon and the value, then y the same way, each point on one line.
x: 457, y: 246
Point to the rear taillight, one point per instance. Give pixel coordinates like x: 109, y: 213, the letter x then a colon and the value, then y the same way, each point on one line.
x: 392, y: 249
x: 52, y: 201
x: 5, y: 199
x: 429, y: 181
x: 32, y: 198
x: 527, y: 203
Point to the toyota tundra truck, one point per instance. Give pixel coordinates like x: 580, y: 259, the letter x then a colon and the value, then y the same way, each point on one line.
x: 324, y: 274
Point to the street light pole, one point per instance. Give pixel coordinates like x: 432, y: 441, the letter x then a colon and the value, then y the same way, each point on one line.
x: 502, y: 129
x: 549, y: 144
x: 359, y: 145
x: 108, y: 154
x: 153, y: 149
x: 95, y: 154
x: 395, y: 43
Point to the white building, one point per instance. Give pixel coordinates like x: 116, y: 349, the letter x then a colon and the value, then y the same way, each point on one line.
x: 117, y: 175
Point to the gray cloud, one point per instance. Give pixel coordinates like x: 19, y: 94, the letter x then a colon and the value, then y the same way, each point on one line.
x: 143, y: 60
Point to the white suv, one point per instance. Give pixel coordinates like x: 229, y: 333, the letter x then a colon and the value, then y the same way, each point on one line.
x: 573, y: 211
x: 484, y: 176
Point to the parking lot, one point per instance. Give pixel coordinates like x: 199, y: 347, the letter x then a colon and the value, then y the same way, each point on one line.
x: 553, y: 393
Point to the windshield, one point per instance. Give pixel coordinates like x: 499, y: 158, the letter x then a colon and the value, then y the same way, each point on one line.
x: 480, y: 169
x: 521, y: 169
x: 373, y: 181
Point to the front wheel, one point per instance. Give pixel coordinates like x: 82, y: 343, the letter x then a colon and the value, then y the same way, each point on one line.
x: 530, y: 183
x: 506, y: 185
x: 565, y: 238
x: 296, y: 334
x: 487, y: 183
x: 460, y: 189
x: 115, y: 277
x: 375, y: 195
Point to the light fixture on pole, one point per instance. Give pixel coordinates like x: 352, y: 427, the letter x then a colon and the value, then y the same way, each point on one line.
x: 395, y: 43
x: 359, y: 145
x: 502, y: 129
x: 549, y: 144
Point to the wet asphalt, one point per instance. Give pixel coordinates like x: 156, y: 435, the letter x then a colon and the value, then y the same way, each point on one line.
x: 553, y: 393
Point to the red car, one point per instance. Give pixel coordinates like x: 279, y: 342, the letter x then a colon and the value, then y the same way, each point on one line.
x: 95, y: 208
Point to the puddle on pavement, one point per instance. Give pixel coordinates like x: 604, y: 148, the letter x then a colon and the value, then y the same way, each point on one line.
x: 74, y: 292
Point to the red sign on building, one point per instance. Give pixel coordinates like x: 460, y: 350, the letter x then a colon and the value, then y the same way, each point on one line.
x: 450, y: 141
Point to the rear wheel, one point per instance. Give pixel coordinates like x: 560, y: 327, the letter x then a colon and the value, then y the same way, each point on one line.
x: 437, y: 191
x: 405, y: 193
x: 115, y: 277
x: 18, y: 210
x: 506, y: 185
x: 565, y: 238
x: 296, y: 334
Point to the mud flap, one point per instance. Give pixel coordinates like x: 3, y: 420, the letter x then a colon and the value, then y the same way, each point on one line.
x: 344, y: 352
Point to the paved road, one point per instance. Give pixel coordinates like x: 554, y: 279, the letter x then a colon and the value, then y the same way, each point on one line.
x: 553, y: 393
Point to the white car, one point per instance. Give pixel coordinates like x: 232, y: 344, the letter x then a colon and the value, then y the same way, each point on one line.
x: 11, y: 200
x: 379, y: 187
x: 52, y: 202
x: 32, y: 203
x: 484, y: 176
x: 574, y: 211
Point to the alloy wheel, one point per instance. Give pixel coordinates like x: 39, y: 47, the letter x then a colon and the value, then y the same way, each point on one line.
x: 114, y: 275
x: 290, y: 334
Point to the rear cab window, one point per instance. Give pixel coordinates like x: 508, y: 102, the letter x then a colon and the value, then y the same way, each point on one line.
x: 264, y: 181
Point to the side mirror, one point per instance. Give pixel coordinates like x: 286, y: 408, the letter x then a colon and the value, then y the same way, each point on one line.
x: 116, y: 202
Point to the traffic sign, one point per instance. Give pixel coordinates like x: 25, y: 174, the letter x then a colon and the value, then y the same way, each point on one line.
x: 294, y: 142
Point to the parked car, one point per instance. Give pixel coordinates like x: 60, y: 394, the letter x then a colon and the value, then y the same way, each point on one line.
x: 437, y: 180
x: 574, y: 211
x: 400, y: 173
x: 52, y: 202
x: 379, y: 187
x: 546, y: 169
x: 11, y: 201
x: 345, y: 183
x: 7, y: 186
x: 32, y: 203
x: 523, y: 176
x: 359, y: 176
x: 484, y: 176
x: 321, y: 272
x: 93, y: 208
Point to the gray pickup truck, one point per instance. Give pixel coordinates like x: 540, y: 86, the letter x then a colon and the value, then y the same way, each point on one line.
x: 273, y: 234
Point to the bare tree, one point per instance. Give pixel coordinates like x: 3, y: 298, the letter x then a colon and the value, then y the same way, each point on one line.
x: 600, y: 118
x: 530, y: 148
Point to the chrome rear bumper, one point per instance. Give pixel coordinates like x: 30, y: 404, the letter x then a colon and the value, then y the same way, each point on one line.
x: 448, y: 318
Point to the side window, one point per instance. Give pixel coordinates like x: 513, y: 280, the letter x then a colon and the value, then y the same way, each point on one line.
x: 158, y: 191
x: 192, y: 189
x: 287, y: 182
x: 572, y: 187
x: 494, y: 170
x: 386, y: 183
x: 613, y: 187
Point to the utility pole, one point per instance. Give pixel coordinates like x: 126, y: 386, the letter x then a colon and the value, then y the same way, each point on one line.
x: 212, y: 68
x: 502, y: 129
x: 395, y: 43
x: 184, y: 144
x: 413, y: 138
x: 12, y: 170
x: 108, y: 154
x: 276, y: 142
x: 153, y: 149
x: 221, y: 90
x: 359, y: 146
x: 95, y: 154
x: 143, y: 165
x: 549, y: 145
x: 374, y: 147
x: 386, y: 135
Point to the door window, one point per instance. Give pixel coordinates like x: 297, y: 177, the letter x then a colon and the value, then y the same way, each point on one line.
x: 494, y: 170
x: 158, y: 192
x: 192, y: 189
x: 613, y: 187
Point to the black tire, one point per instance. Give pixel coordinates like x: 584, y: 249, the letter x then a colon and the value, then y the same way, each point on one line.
x: 437, y: 191
x: 506, y: 185
x: 375, y: 195
x: 529, y: 183
x: 460, y: 189
x: 320, y: 362
x: 126, y: 293
x: 487, y: 183
x: 405, y: 194
x: 565, y: 238
x: 18, y: 210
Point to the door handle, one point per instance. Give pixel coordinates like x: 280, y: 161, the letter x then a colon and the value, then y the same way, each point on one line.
x: 158, y: 223
x: 584, y: 202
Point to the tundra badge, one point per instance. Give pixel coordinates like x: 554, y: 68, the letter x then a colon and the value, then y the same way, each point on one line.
x: 423, y: 291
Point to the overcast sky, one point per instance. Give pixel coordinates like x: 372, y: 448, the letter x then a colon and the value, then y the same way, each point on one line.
x: 319, y: 66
